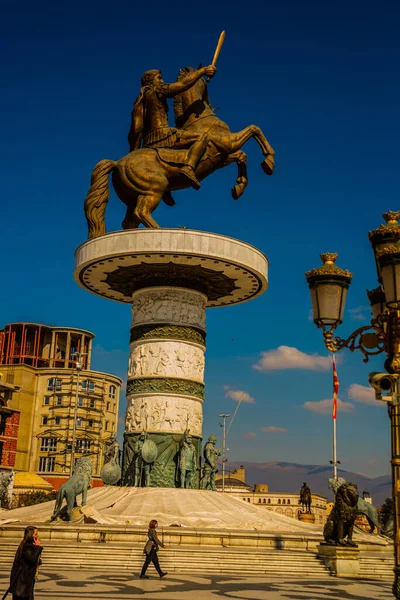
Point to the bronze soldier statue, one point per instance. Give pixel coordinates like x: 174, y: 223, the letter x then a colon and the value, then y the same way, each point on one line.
x: 150, y: 127
x: 210, y: 468
x: 187, y: 461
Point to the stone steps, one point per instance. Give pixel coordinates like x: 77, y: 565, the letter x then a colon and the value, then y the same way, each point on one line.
x: 376, y: 565
x: 206, y: 560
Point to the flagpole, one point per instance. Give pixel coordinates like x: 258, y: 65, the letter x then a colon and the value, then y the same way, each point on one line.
x: 334, y: 450
x: 334, y: 415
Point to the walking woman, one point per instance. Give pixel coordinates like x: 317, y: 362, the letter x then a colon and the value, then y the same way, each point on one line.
x: 150, y: 550
x: 26, y: 564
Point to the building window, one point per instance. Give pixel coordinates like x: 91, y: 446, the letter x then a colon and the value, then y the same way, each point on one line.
x: 54, y: 384
x: 57, y: 420
x: 269, y: 500
x: 288, y: 501
x: 80, y: 401
x: 59, y: 401
x: 112, y: 391
x: 107, y: 423
x: 83, y: 445
x: 48, y: 444
x: 114, y: 407
x: 248, y: 499
x: 47, y: 464
x: 264, y: 501
x: 88, y: 385
x: 44, y: 420
x: 92, y: 403
x: 79, y: 422
x: 259, y: 501
x: 90, y: 422
x: 244, y: 499
x: 283, y: 501
x: 46, y: 400
x: 108, y: 406
x: 279, y: 501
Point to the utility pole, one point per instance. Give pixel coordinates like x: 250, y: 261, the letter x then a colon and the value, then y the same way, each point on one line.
x: 224, y: 417
x: 79, y: 367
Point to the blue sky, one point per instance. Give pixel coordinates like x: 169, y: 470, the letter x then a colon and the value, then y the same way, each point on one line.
x: 321, y: 80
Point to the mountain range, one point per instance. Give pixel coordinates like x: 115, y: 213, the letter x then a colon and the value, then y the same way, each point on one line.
x: 289, y: 477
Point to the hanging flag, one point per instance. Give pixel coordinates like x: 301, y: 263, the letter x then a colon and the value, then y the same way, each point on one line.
x: 335, y: 388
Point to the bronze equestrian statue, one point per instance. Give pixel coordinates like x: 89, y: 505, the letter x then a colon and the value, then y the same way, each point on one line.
x: 163, y: 158
x: 305, y: 498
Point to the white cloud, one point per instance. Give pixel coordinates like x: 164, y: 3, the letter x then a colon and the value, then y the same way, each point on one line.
x: 324, y: 407
x: 286, y: 357
x: 249, y: 435
x: 363, y: 394
x: 273, y: 429
x: 359, y: 313
x: 238, y: 395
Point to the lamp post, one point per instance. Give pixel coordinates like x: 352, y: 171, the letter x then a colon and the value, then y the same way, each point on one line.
x: 78, y: 367
x: 328, y: 287
x: 224, y: 417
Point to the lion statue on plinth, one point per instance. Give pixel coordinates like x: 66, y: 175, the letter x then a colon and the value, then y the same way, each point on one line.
x: 78, y: 483
x: 340, y: 522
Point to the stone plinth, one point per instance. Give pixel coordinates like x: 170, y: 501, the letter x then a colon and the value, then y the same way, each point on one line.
x: 170, y: 276
x: 343, y: 561
x: 307, y: 517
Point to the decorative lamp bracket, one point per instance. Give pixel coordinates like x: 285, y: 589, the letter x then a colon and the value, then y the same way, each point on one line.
x: 370, y: 339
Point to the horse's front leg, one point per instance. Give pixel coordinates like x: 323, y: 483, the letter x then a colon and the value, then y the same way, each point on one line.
x: 252, y: 131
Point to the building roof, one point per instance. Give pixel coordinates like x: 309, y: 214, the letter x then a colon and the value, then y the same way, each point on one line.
x: 31, y: 481
x: 55, y: 327
x: 232, y: 482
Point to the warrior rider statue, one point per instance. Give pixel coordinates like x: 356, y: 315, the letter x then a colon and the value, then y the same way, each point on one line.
x: 150, y: 127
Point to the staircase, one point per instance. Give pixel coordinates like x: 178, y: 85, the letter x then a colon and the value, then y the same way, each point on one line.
x: 194, y: 560
x: 377, y: 565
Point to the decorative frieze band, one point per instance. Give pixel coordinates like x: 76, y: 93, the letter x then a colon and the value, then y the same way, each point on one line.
x: 168, y: 332
x: 165, y: 385
x: 173, y: 306
x: 163, y: 414
x: 166, y: 359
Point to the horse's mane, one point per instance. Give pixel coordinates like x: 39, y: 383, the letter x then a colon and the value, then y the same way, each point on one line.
x: 178, y: 104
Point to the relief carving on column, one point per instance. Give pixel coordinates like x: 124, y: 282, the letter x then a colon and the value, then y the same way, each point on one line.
x: 169, y: 305
x: 163, y: 413
x: 166, y: 359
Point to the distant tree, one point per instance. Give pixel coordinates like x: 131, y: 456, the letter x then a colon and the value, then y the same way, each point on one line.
x: 386, y: 510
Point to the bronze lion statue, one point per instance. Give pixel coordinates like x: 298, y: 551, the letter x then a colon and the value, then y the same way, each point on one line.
x: 78, y: 483
x: 340, y: 522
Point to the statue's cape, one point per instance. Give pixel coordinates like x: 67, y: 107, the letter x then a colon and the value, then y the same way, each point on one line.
x: 136, y: 132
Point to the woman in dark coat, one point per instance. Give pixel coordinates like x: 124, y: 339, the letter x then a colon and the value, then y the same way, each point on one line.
x: 150, y: 550
x: 25, y: 567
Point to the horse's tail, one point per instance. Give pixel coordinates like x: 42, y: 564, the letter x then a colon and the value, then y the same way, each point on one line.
x: 97, y: 197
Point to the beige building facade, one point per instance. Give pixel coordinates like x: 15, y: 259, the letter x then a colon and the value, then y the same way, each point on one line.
x: 280, y: 502
x: 51, y: 395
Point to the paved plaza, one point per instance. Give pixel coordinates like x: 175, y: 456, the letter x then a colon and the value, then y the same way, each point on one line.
x: 79, y: 584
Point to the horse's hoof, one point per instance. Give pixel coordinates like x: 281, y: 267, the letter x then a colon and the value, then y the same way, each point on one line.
x: 268, y: 165
x: 236, y: 192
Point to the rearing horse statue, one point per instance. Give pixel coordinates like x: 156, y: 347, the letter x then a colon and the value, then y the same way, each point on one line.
x: 146, y: 176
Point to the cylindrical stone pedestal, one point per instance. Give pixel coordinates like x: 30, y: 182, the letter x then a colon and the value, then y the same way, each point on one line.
x: 165, y: 389
x: 169, y: 276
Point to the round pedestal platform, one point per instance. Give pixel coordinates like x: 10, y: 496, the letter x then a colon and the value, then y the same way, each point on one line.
x: 307, y: 518
x: 170, y: 276
x: 226, y: 270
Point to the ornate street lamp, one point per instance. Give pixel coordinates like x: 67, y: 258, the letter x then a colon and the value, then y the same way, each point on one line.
x: 328, y: 287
